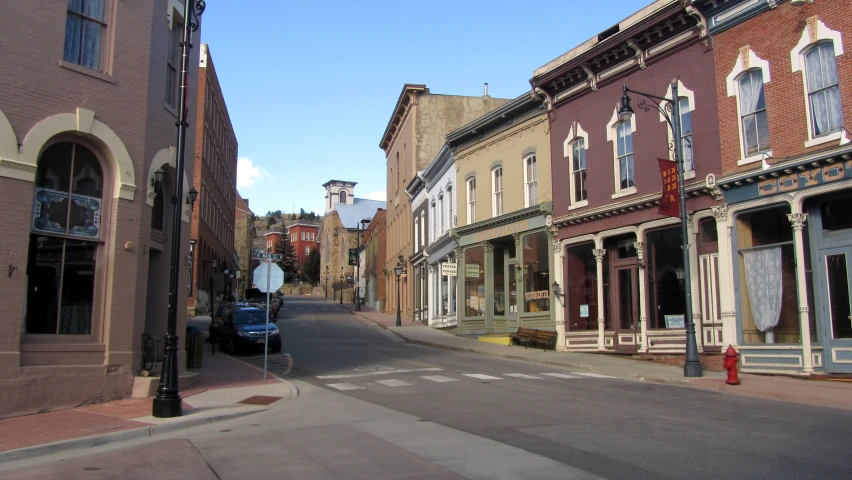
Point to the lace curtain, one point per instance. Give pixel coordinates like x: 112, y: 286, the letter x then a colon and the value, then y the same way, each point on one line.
x: 823, y: 89
x: 763, y: 277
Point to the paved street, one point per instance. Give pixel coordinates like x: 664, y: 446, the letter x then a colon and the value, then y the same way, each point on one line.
x: 373, y: 407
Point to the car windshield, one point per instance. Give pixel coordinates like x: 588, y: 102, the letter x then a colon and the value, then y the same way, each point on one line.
x: 244, y: 317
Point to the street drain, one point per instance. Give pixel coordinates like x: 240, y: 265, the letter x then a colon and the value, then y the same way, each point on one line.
x: 260, y: 400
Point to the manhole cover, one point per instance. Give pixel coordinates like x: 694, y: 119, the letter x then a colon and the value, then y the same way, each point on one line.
x: 260, y: 400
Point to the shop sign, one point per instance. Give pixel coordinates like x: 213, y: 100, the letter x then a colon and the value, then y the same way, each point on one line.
x: 450, y: 269
x: 537, y: 295
x: 674, y: 321
x: 501, y: 231
x: 584, y: 310
x: 471, y: 271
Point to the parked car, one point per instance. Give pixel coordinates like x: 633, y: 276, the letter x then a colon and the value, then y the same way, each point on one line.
x: 245, y: 329
x: 255, y: 297
x: 218, y: 315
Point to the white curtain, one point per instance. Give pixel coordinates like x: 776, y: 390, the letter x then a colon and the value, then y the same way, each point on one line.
x: 822, y: 86
x: 763, y: 277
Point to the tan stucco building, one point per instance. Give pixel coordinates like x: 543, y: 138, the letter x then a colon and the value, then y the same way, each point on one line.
x: 503, y: 243
x: 413, y: 137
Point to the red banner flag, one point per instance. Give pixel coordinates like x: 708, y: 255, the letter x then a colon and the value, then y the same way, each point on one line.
x: 670, y: 201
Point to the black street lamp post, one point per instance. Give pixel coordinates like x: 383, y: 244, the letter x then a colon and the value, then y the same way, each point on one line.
x: 358, y: 266
x: 167, y: 403
x: 398, y: 270
x: 671, y: 112
x: 342, y: 279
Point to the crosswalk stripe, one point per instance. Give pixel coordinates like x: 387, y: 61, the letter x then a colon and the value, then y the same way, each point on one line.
x: 380, y: 372
x: 594, y: 375
x: 439, y: 378
x: 560, y: 375
x: 522, y: 375
x: 344, y: 386
x: 481, y: 376
x: 392, y: 382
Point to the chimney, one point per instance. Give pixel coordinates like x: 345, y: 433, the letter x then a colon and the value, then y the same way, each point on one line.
x: 486, y: 89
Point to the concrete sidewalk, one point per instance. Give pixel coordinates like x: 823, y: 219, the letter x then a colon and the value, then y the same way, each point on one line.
x: 227, y: 388
x: 798, y: 390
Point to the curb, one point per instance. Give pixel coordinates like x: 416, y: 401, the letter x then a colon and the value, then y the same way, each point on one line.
x: 133, y: 434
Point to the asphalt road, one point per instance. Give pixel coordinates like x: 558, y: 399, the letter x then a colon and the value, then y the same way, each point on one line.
x: 613, y: 428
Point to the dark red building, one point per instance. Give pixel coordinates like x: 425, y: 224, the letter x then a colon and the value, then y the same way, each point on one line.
x: 620, y: 262
x: 303, y: 238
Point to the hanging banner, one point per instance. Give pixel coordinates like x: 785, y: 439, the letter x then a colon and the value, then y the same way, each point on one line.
x: 670, y: 201
x: 450, y: 269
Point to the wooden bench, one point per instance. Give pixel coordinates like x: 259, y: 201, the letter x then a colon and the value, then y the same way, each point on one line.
x: 545, y: 338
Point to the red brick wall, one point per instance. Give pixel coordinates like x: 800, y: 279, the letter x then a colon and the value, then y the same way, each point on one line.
x: 594, y: 110
x: 771, y: 36
x: 299, y: 244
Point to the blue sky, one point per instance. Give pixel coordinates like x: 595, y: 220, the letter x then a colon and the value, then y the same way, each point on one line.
x: 310, y: 86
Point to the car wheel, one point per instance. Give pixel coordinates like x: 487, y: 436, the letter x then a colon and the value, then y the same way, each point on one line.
x: 276, y: 350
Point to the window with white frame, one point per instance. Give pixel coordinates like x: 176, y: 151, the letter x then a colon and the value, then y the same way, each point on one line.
x: 497, y: 192
x: 307, y: 250
x: 416, y: 238
x: 578, y: 171
x: 823, y: 89
x: 530, y: 181
x: 625, y: 172
x: 752, y: 101
x: 451, y: 219
x: 816, y: 56
x: 686, y: 134
x: 423, y: 228
x: 434, y: 234
x: 471, y: 200
x: 86, y: 33
x: 442, y: 214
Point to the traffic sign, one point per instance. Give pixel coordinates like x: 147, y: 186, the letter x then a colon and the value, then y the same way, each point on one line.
x: 268, y: 256
x: 268, y: 277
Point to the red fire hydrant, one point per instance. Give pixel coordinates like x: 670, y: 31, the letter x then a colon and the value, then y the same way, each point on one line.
x: 731, y: 359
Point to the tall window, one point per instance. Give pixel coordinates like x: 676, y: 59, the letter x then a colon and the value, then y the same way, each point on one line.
x: 66, y: 232
x: 823, y: 89
x: 327, y: 248
x: 307, y: 250
x: 530, y: 181
x: 434, y: 222
x: 497, y: 192
x: 416, y: 238
x: 753, y: 113
x: 451, y: 219
x: 397, y: 171
x: 173, y: 57
x: 85, y: 32
x: 624, y: 145
x: 578, y: 171
x: 422, y: 228
x: 342, y: 195
x: 443, y: 220
x: 686, y: 134
x: 471, y: 201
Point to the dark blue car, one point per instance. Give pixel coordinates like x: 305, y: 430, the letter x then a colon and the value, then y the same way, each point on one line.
x: 245, y: 330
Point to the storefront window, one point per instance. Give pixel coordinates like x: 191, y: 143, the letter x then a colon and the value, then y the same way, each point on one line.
x: 836, y: 216
x: 666, y: 278
x: 499, y: 282
x: 767, y: 277
x: 474, y: 282
x: 582, y: 288
x: 536, y: 271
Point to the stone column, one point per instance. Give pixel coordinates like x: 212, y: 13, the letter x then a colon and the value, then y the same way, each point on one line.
x: 643, y: 307
x: 725, y: 274
x: 798, y: 222
x: 488, y: 248
x: 599, y: 258
x: 430, y: 295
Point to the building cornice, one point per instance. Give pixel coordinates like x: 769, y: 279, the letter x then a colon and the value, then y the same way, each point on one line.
x: 490, y: 123
x: 545, y: 208
x: 400, y: 112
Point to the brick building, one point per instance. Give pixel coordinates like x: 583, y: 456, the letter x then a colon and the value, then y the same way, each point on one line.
x: 84, y: 126
x: 303, y: 238
x: 784, y: 86
x: 618, y: 261
x: 216, y: 182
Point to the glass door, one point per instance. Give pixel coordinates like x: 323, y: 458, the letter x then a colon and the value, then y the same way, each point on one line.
x: 837, y: 297
x: 511, y: 295
x: 627, y: 307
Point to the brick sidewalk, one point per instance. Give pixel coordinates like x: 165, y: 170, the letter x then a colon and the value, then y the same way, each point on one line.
x: 797, y: 390
x: 219, y: 372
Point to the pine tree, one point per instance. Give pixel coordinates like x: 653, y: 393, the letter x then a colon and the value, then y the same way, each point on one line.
x: 288, y: 257
x: 312, y: 266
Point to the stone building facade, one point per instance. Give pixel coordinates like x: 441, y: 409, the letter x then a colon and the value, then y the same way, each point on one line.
x: 85, y: 127
x: 414, y: 135
x: 244, y: 233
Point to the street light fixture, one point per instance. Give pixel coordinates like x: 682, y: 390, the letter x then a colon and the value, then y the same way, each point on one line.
x: 671, y: 112
x: 398, y: 270
x: 168, y: 403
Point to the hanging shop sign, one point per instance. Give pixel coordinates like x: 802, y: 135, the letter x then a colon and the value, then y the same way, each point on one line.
x: 670, y: 201
x: 450, y: 269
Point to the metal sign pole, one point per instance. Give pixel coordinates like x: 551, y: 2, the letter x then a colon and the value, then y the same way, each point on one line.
x: 266, y: 334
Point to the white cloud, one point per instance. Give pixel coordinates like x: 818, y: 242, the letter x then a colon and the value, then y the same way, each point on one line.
x: 380, y: 195
x: 248, y: 174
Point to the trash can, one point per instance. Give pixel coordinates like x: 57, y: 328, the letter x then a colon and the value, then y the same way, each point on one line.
x: 194, y: 347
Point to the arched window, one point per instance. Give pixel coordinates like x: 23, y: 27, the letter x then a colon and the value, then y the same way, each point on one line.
x: 530, y: 181
x: 342, y: 197
x: 753, y: 113
x: 497, y: 192
x: 823, y: 89
x: 65, y: 239
x: 158, y: 211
